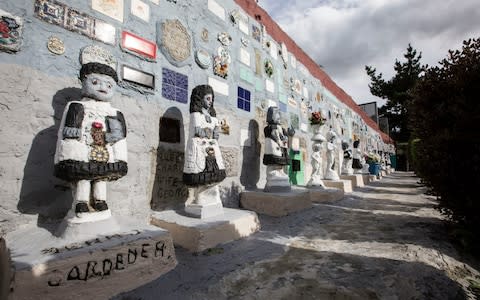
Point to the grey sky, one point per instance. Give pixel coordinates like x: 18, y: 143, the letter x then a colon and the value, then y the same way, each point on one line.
x: 345, y: 35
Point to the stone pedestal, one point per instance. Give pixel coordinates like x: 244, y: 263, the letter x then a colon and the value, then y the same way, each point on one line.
x: 277, y: 180
x: 344, y: 185
x: 276, y: 204
x: 204, y: 202
x: 47, y: 267
x: 319, y: 195
x: 356, y: 179
x: 367, y: 178
x: 199, y: 234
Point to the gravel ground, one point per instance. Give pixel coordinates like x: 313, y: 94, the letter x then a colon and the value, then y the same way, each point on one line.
x: 384, y: 241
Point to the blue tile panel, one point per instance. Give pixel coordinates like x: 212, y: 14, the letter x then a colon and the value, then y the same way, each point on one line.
x: 174, y: 86
x: 243, y: 99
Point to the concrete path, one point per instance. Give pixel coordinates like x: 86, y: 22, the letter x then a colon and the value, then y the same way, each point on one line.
x: 384, y: 241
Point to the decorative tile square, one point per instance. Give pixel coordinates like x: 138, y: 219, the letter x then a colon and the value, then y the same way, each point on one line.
x: 11, y: 31
x: 80, y: 22
x: 50, y: 11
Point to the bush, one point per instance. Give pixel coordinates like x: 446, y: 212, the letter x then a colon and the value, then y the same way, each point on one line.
x: 445, y: 114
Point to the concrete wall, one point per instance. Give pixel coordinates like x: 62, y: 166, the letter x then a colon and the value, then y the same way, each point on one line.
x: 35, y: 86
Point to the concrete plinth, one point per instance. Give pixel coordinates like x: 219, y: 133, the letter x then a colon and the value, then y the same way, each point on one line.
x: 319, y: 195
x: 367, y: 178
x: 344, y: 185
x: 47, y: 267
x: 356, y: 179
x: 276, y: 204
x: 199, y: 234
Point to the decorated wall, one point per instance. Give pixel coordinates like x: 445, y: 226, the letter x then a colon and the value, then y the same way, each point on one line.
x: 164, y: 49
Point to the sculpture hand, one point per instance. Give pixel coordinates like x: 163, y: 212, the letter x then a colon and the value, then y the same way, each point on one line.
x: 216, y: 133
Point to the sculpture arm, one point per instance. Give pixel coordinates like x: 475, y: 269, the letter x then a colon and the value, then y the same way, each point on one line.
x: 216, y: 132
x: 116, y: 128
x: 73, y: 121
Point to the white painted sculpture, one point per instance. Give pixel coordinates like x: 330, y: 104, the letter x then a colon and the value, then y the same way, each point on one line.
x: 276, y: 153
x: 358, y: 159
x: 347, y: 159
x: 317, y: 166
x: 91, y: 146
x: 204, y: 167
x: 331, y: 174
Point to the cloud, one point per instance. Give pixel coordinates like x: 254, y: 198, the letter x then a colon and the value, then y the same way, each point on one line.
x: 345, y: 35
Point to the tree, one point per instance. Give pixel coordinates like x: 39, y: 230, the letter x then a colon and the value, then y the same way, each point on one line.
x: 445, y: 114
x: 397, y: 92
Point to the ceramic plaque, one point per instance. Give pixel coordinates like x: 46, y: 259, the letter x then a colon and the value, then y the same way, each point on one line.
x: 104, y: 32
x: 55, y: 45
x: 293, y: 61
x: 269, y: 86
x: 221, y: 62
x: 273, y: 50
x: 284, y: 54
x: 256, y: 33
x: 136, y: 76
x: 203, y: 58
x: 243, y: 26
x: 11, y: 28
x: 175, y: 42
x: 79, y: 22
x: 305, y: 92
x: 138, y: 45
x: 258, y: 62
x: 224, y: 38
x: 140, y: 9
x: 50, y: 11
x: 292, y: 103
x: 245, y: 56
x: 111, y: 8
x: 216, y: 9
x: 218, y: 86
x: 204, y: 35
x: 268, y: 67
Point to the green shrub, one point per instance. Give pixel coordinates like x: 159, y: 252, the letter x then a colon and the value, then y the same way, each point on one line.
x: 445, y: 114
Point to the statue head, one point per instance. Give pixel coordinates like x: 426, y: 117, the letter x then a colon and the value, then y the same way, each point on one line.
x: 345, y: 145
x: 317, y: 147
x: 331, y: 136
x: 202, y: 97
x: 273, y: 115
x: 356, y: 143
x: 98, y: 74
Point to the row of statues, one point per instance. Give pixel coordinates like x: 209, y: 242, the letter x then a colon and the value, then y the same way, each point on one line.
x: 92, y: 149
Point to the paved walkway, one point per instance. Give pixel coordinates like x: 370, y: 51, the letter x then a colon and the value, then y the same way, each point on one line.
x: 384, y: 241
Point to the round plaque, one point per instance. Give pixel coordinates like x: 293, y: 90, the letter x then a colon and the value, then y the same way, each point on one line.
x: 55, y: 45
x: 203, y: 58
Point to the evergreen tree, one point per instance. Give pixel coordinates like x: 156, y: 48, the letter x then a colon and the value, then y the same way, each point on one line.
x: 397, y: 92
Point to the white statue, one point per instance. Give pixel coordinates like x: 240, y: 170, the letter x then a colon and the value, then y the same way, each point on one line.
x: 331, y: 174
x: 358, y: 159
x: 276, y: 152
x: 317, y: 166
x: 204, y: 167
x: 91, y: 146
x: 347, y: 159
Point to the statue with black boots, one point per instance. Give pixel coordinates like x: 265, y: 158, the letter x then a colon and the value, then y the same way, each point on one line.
x: 203, y: 168
x: 276, y: 152
x: 347, y: 159
x: 91, y: 146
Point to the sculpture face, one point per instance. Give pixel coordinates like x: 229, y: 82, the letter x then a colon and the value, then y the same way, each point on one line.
x: 98, y: 86
x: 207, y: 101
